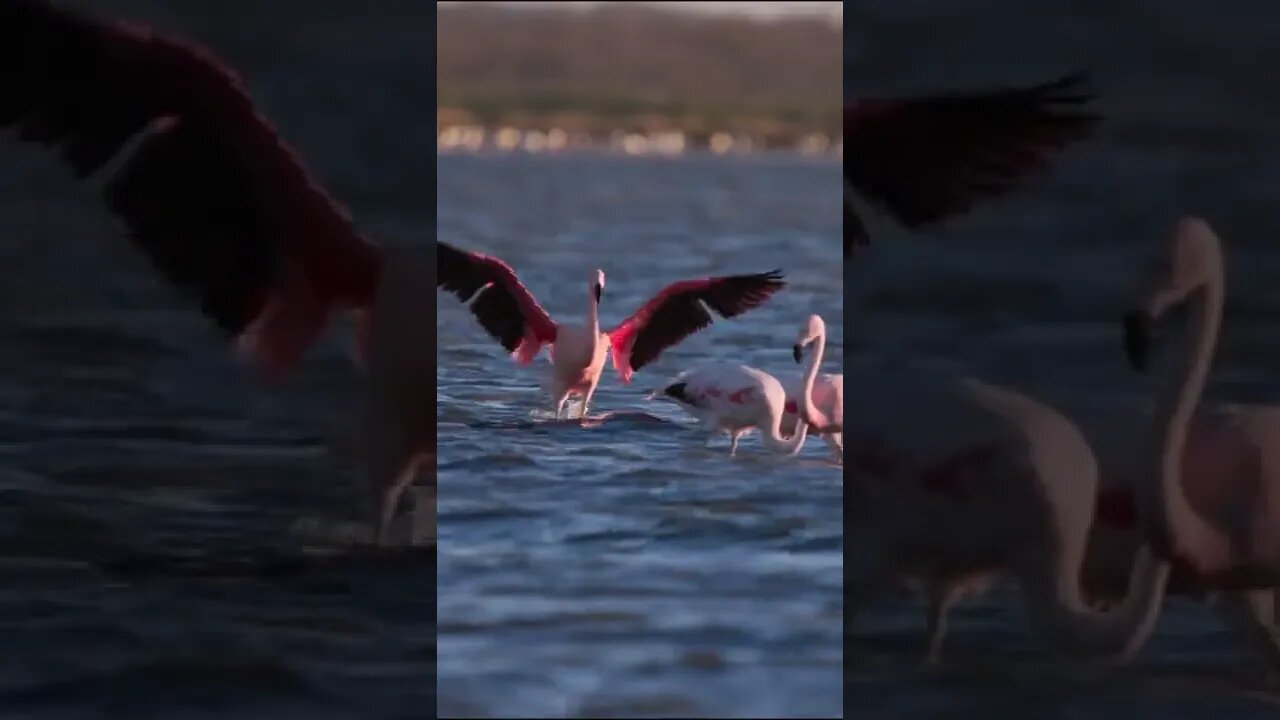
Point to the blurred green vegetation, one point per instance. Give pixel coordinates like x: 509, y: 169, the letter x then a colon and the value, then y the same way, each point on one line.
x: 635, y: 67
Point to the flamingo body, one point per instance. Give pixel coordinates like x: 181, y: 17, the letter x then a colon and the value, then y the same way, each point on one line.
x: 956, y: 480
x: 1216, y: 440
x: 577, y: 360
x: 1203, y: 488
x: 735, y: 399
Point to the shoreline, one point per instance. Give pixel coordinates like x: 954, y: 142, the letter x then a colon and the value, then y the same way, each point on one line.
x: 770, y: 154
x: 481, y: 139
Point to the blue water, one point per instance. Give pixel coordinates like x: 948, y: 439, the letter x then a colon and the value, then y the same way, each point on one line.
x: 626, y: 568
x: 1029, y: 292
x: 154, y: 496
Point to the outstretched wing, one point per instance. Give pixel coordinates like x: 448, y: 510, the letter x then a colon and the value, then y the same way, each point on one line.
x: 223, y: 208
x: 677, y: 312
x: 503, y: 305
x: 925, y: 159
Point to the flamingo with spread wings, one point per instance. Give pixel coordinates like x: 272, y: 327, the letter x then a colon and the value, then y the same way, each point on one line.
x: 508, y: 311
x: 226, y: 211
x: 925, y: 159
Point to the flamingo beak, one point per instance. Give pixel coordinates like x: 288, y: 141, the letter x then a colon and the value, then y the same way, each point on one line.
x: 797, y: 352
x: 599, y: 290
x: 1137, y: 339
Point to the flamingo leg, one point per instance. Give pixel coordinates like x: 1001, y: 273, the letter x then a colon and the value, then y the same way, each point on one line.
x: 586, y: 400
x: 940, y: 599
x: 836, y: 441
x: 733, y: 448
x: 391, y: 501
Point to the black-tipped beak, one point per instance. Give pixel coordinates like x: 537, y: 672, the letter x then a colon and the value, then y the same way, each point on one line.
x: 1137, y: 339
x: 797, y: 352
x: 599, y: 290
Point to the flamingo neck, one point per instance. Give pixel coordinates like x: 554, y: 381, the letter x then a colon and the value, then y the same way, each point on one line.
x: 812, y: 415
x: 1120, y: 632
x: 774, y: 440
x: 593, y: 312
x: 1166, y: 506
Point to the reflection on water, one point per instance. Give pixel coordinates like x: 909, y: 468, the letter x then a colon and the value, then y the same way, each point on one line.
x: 618, y: 566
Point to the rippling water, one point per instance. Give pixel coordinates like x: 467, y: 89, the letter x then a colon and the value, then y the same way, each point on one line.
x: 625, y: 568
x: 1029, y: 292
x: 155, y: 559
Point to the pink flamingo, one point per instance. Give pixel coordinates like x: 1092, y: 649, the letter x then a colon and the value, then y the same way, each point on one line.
x: 511, y: 315
x: 956, y: 481
x: 1222, y: 518
x: 1115, y: 538
x: 1213, y: 477
x: 713, y: 393
x: 226, y: 211
x: 925, y: 159
x: 735, y: 399
x: 823, y: 404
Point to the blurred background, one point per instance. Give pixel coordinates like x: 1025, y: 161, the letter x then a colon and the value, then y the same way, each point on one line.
x: 152, y: 491
x: 1029, y: 291
x: 626, y: 569
x: 639, y: 78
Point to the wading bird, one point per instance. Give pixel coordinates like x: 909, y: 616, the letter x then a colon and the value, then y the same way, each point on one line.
x: 511, y: 315
x: 955, y: 481
x: 737, y: 399
x: 1213, y: 505
x: 819, y: 398
x: 226, y: 211
x: 1215, y: 464
x: 924, y: 159
x: 1252, y: 613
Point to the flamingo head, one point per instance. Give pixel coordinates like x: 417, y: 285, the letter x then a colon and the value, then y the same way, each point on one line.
x: 813, y: 329
x: 1186, y: 262
x: 597, y: 284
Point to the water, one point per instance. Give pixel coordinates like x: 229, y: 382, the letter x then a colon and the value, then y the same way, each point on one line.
x: 150, y: 489
x: 625, y: 568
x: 1030, y: 292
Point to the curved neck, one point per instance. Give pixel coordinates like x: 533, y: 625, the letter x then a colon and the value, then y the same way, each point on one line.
x: 808, y: 410
x: 1165, y: 505
x: 775, y: 442
x: 1120, y: 632
x: 593, y: 311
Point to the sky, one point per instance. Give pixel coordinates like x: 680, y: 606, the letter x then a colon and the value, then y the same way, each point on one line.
x: 757, y: 9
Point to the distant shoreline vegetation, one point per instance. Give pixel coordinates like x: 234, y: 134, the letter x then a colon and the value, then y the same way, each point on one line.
x: 486, y: 126
x: 635, y: 79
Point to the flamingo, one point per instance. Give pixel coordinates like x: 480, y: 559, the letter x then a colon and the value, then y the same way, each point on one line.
x: 822, y: 404
x: 226, y: 211
x: 1222, y: 518
x: 508, y: 311
x: 707, y: 393
x: 1218, y: 455
x: 1114, y: 540
x: 735, y: 399
x: 957, y: 481
x: 925, y: 159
